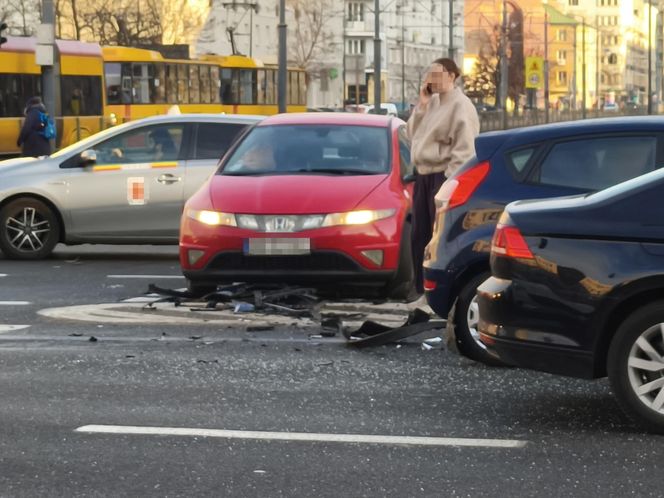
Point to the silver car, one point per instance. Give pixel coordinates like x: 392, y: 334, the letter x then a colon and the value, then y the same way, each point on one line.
x: 125, y: 185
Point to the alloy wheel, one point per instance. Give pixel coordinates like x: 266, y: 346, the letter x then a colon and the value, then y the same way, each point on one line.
x: 27, y: 230
x: 645, y: 366
x: 473, y: 319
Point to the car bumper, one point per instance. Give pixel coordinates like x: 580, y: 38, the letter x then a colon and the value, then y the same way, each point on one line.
x: 337, y: 255
x: 438, y: 290
x: 502, y: 331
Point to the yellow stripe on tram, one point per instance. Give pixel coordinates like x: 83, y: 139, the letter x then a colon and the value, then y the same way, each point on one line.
x: 164, y: 164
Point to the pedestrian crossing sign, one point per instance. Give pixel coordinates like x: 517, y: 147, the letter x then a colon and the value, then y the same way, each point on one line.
x: 534, y: 72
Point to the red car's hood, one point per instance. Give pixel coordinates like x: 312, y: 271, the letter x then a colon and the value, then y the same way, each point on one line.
x: 290, y: 194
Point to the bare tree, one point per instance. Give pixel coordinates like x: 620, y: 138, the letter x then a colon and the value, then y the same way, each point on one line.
x: 312, y: 36
x: 22, y: 16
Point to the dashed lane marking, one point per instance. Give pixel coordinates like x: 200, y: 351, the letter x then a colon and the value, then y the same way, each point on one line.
x: 304, y: 436
x: 12, y: 328
x: 3, y: 275
x: 160, y: 277
x: 14, y: 303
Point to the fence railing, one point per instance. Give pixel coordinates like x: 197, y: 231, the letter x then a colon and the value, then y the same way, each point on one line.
x: 494, y: 120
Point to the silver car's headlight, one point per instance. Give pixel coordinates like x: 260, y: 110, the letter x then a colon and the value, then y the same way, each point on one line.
x: 212, y: 218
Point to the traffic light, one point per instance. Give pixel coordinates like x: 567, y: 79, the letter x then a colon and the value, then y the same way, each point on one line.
x: 3, y: 39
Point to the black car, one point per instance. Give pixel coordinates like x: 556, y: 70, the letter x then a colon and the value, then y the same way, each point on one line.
x: 528, y: 163
x: 577, y: 289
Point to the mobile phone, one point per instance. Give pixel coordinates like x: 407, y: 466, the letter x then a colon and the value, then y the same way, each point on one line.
x: 429, y: 89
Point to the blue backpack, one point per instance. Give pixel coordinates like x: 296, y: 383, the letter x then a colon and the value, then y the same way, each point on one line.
x: 48, y: 126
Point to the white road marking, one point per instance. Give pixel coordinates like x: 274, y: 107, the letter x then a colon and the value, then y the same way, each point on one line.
x: 155, y: 277
x: 12, y: 328
x: 14, y: 303
x: 303, y: 436
x: 3, y: 275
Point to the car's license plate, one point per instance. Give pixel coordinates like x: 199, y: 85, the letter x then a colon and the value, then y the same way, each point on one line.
x: 276, y: 247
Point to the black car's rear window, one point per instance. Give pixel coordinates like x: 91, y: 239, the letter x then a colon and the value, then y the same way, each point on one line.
x: 325, y: 149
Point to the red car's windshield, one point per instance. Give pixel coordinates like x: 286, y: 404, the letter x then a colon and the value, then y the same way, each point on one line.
x: 313, y: 149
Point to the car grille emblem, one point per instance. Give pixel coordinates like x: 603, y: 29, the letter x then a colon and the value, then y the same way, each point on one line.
x: 280, y: 224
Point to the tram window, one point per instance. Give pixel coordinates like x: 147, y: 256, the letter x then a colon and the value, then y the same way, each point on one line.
x: 261, y: 87
x: 302, y: 87
x: 205, y: 84
x: 140, y: 84
x: 230, y: 86
x: 194, y: 85
x: 292, y: 88
x: 158, y: 84
x: 271, y: 98
x: 183, y: 84
x: 80, y: 95
x: 15, y: 90
x: 247, y: 86
x: 171, y: 84
x: 113, y: 75
x: 215, y: 85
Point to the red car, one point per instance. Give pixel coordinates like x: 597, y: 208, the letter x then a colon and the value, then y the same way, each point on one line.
x: 317, y: 199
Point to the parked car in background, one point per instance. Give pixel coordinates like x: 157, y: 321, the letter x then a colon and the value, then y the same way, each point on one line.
x: 321, y: 199
x: 124, y: 185
x: 577, y: 289
x: 536, y: 162
x: 386, y: 108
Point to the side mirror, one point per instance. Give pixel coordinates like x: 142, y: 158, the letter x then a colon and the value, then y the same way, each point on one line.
x: 87, y: 157
x: 410, y: 177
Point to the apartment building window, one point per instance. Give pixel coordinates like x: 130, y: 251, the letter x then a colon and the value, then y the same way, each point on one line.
x: 561, y: 55
x: 355, y: 47
x: 355, y: 11
x: 562, y: 35
x: 562, y: 77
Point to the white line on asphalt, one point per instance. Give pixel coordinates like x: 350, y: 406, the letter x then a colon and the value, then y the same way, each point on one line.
x: 12, y: 328
x: 146, y: 276
x: 3, y: 275
x: 14, y: 303
x: 303, y: 436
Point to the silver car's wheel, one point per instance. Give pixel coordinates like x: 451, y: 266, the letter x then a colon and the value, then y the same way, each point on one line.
x: 635, y: 365
x: 28, y: 229
x: 473, y: 320
x: 645, y: 367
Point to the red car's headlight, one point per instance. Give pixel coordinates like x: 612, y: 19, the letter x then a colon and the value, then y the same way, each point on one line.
x: 212, y: 218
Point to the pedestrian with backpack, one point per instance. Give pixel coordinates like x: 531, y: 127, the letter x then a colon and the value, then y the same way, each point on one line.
x: 37, y: 130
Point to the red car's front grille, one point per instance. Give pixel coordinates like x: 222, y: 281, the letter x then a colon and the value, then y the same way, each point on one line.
x: 320, y: 261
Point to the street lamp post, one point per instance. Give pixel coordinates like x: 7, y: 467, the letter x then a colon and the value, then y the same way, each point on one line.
x: 583, y: 68
x: 649, y: 57
x: 377, y: 55
x: 282, y: 89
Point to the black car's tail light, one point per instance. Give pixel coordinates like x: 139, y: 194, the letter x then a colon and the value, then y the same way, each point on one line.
x: 508, y: 241
x: 456, y: 191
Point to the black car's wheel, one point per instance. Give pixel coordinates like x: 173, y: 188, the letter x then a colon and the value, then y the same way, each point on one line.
x: 402, y: 286
x: 635, y: 366
x: 463, y: 320
x: 200, y: 289
x: 28, y: 229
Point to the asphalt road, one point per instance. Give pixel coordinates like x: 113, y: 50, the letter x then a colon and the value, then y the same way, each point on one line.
x: 291, y: 399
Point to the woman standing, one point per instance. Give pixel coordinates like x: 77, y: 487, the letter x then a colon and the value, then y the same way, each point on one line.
x: 31, y: 139
x: 442, y: 131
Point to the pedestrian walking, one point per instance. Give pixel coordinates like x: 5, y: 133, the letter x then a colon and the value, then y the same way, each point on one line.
x: 32, y: 138
x: 442, y: 130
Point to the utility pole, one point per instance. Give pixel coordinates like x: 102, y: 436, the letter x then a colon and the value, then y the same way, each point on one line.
x: 649, y: 57
x: 583, y: 67
x: 283, y: 60
x: 546, y: 65
x: 503, y: 66
x: 403, y: 61
x: 47, y: 56
x: 377, y: 54
x: 450, y: 48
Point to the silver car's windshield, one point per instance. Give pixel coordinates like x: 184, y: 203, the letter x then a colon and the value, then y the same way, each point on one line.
x: 91, y: 140
x: 311, y: 149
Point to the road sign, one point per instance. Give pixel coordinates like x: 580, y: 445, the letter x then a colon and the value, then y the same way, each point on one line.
x: 534, y: 72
